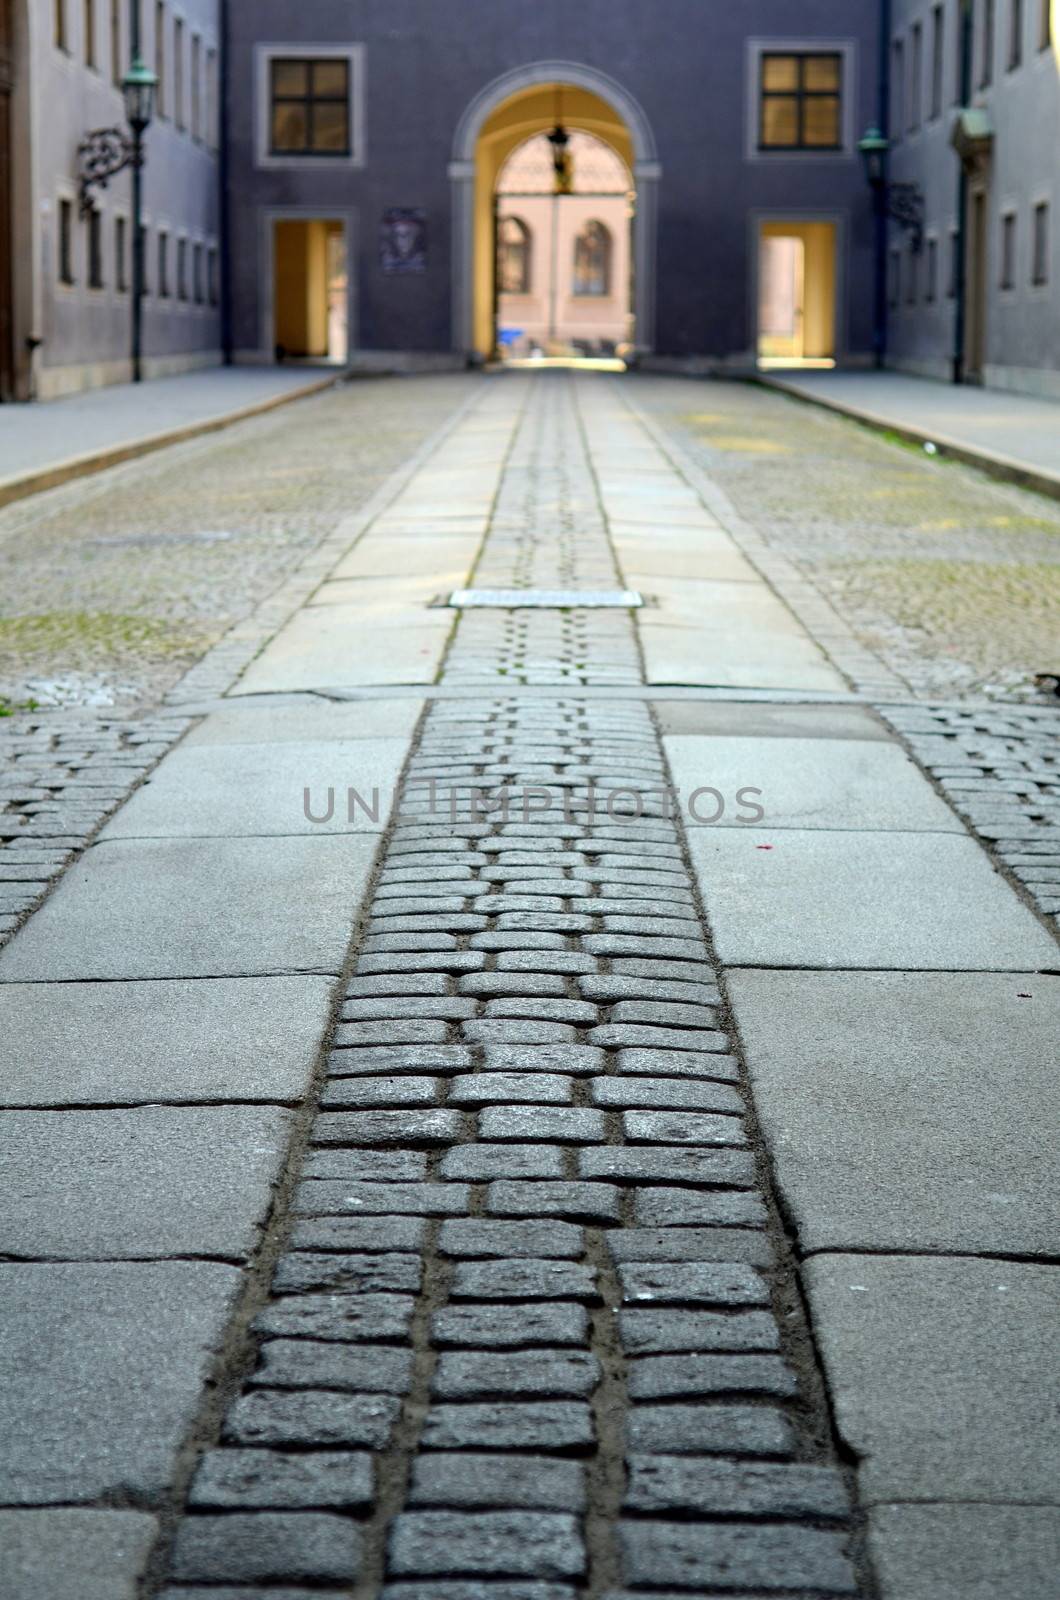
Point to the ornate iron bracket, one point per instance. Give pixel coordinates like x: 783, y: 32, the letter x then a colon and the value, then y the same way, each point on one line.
x: 905, y: 205
x: 101, y: 155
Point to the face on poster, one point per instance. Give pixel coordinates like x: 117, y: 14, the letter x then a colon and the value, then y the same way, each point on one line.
x: 403, y: 240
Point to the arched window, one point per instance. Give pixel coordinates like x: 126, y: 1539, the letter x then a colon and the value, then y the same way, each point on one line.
x: 592, y: 260
x: 513, y: 256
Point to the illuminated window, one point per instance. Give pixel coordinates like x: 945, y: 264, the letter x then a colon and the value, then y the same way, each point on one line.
x: 310, y: 107
x: 592, y: 260
x: 513, y: 256
x: 800, y: 102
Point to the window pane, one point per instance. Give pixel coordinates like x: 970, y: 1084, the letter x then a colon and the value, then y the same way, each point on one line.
x: 780, y: 72
x: 329, y: 126
x: 289, y: 127
x: 821, y: 72
x: 820, y: 124
x: 329, y: 78
x: 780, y: 121
x: 290, y: 77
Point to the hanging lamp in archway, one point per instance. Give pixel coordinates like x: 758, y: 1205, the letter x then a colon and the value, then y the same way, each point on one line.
x: 562, y: 164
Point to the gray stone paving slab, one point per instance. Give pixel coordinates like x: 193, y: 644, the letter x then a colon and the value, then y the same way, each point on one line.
x: 719, y: 719
x: 197, y: 908
x: 259, y: 722
x: 135, y: 1183
x: 101, y: 1373
x: 942, y: 1373
x: 965, y: 1552
x: 74, y: 1555
x: 804, y: 898
x: 908, y: 1111
x: 98, y: 1043
x: 807, y: 783
x: 255, y: 790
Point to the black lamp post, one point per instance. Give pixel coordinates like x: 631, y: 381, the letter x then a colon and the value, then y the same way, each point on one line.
x: 107, y: 151
x: 902, y: 202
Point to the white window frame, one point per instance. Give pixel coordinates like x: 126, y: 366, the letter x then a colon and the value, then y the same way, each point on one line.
x: 846, y: 50
x: 264, y: 55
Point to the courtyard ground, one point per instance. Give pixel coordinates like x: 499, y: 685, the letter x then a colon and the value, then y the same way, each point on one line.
x: 609, y: 1153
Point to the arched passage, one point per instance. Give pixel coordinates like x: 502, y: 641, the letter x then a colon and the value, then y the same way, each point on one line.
x: 504, y: 115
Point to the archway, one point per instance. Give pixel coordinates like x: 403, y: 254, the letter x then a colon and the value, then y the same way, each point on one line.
x: 506, y: 114
x: 563, y: 257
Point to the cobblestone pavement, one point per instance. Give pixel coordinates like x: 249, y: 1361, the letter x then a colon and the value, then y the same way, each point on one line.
x: 1000, y: 768
x: 951, y: 578
x: 114, y: 588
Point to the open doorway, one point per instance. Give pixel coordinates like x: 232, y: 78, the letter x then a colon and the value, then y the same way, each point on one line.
x: 563, y: 218
x: 311, y: 290
x: 796, y: 294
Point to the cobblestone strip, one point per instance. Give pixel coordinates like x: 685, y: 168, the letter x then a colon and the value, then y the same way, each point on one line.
x: 63, y: 774
x: 533, y: 1335
x: 1000, y: 768
x: 547, y: 532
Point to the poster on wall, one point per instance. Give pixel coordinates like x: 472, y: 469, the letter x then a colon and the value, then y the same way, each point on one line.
x: 403, y: 240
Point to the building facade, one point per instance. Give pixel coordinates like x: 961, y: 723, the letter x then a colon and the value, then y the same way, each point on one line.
x: 65, y: 307
x: 355, y: 169
x: 975, y: 124
x: 383, y: 120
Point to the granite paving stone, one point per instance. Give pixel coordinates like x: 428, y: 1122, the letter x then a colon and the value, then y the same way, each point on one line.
x: 681, y: 1484
x: 267, y: 1480
x: 65, y: 1554
x: 129, y: 1043
x: 268, y: 1545
x: 705, y: 1430
x: 321, y: 1417
x: 152, y: 1181
x: 553, y: 1425
x: 474, y: 1479
x: 101, y: 1370
x: 872, y: 1151
x: 211, y: 911
x: 518, y: 1543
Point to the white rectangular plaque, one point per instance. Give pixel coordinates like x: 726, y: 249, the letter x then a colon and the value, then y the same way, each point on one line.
x: 546, y: 599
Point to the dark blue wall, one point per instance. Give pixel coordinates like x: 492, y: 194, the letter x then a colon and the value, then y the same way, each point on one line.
x: 684, y: 61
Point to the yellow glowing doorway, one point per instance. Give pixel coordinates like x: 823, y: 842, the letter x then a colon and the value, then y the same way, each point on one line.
x: 796, y: 293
